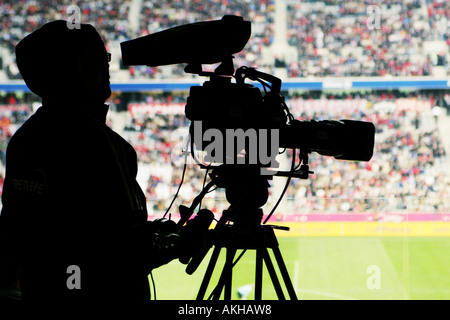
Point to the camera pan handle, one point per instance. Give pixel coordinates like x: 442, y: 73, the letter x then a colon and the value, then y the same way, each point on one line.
x: 255, y: 75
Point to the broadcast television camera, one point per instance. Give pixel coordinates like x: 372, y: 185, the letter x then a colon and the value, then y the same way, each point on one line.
x: 225, y: 106
x: 221, y: 104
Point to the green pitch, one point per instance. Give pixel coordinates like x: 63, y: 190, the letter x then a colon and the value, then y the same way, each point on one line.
x: 334, y: 268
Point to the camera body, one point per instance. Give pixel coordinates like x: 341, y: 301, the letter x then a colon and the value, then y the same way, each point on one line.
x: 225, y: 106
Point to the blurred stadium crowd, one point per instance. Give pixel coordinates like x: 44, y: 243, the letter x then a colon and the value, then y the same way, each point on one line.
x: 408, y: 171
x: 341, y: 38
x: 330, y: 37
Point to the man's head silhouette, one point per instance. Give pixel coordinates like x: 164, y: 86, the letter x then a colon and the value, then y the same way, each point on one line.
x: 65, y: 66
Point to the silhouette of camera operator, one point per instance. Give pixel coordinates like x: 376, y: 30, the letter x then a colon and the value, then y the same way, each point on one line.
x: 74, y: 220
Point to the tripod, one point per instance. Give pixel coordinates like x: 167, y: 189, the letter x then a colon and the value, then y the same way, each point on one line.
x: 246, y: 191
x: 260, y: 238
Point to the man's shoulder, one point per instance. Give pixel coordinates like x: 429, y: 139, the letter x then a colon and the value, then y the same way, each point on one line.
x: 33, y: 127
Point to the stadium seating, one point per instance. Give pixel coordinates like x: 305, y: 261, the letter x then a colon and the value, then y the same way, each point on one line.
x: 336, y: 38
x: 408, y: 170
x: 332, y: 39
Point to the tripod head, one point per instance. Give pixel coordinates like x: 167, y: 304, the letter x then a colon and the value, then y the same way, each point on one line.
x: 247, y: 192
x: 245, y: 187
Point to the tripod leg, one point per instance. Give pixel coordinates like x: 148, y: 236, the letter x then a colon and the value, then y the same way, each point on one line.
x: 273, y: 275
x: 284, y: 273
x: 258, y: 273
x: 229, y: 272
x: 208, y: 273
x: 225, y: 279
